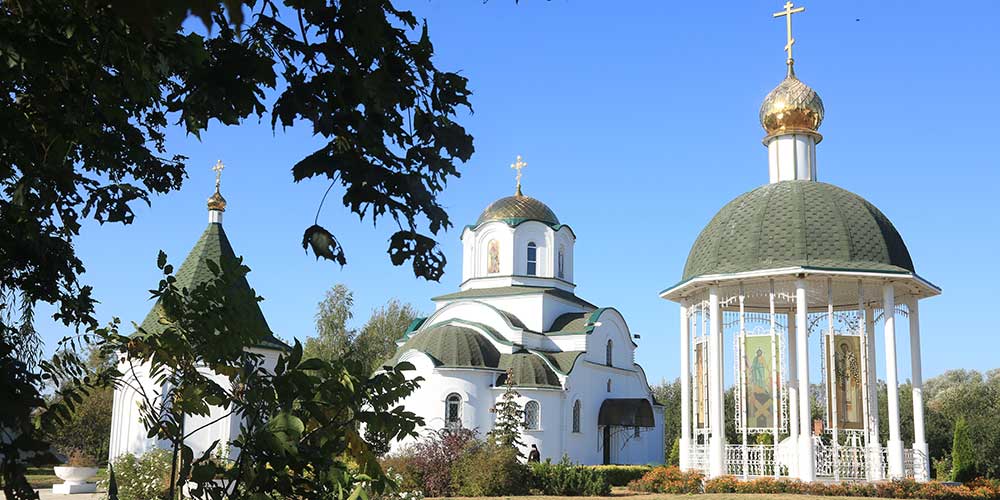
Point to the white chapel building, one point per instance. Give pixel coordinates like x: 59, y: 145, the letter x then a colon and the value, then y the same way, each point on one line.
x: 572, y: 362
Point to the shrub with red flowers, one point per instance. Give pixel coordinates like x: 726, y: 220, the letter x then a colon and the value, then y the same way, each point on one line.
x: 668, y: 480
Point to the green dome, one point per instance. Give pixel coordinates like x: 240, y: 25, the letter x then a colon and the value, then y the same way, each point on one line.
x: 516, y: 209
x: 798, y: 224
x: 453, y: 345
x: 527, y: 370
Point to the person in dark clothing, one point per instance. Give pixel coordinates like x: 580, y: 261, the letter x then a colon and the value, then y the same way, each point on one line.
x: 534, y: 455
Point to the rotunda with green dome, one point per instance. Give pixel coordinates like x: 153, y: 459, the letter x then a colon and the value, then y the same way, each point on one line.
x: 791, y: 275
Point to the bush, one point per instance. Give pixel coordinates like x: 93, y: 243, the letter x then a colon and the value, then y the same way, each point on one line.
x: 566, y: 479
x: 428, y: 463
x: 668, y: 479
x: 620, y: 475
x: 489, y: 469
x: 142, y: 478
x: 963, y: 455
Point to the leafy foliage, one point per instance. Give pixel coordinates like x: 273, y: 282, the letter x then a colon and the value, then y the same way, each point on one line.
x: 509, y: 418
x: 89, y: 89
x: 300, y: 420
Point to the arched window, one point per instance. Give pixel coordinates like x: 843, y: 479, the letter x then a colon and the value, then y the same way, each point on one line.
x: 608, y: 352
x: 532, y: 415
x: 561, y: 262
x: 453, y: 411
x: 493, y: 257
x: 576, y: 416
x: 532, y: 259
x: 609, y: 385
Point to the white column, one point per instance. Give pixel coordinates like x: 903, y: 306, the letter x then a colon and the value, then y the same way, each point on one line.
x: 895, y: 444
x: 717, y: 441
x: 919, y: 441
x: 685, y: 441
x: 793, y: 392
x: 873, y: 440
x: 807, y: 470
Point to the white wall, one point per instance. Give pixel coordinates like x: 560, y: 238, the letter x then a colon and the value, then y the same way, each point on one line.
x: 128, y: 434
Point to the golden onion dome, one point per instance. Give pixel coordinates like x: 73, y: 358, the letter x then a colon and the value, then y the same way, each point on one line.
x: 516, y: 209
x: 791, y: 107
x: 217, y: 202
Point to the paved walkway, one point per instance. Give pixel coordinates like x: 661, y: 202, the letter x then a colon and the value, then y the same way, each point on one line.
x: 46, y: 494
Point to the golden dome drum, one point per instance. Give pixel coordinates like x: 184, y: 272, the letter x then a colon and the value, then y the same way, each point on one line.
x: 792, y: 107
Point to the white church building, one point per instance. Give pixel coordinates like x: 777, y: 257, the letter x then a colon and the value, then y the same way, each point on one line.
x: 572, y: 363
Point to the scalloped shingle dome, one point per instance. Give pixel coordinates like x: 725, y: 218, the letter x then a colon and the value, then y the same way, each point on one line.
x: 454, y: 345
x: 527, y: 370
x: 798, y: 224
x: 516, y: 209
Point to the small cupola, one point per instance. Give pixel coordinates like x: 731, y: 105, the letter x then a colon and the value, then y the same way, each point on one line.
x: 517, y: 240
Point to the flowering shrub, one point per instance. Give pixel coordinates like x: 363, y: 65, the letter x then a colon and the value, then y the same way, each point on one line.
x: 980, y: 489
x: 146, y: 477
x: 668, y: 480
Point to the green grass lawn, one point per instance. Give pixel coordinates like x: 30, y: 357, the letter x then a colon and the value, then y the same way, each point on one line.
x: 44, y: 477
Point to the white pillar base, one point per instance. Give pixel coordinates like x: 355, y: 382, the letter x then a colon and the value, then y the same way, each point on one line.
x: 684, y: 445
x: 875, y: 471
x: 921, y: 463
x: 807, y: 459
x: 716, y: 456
x: 895, y: 454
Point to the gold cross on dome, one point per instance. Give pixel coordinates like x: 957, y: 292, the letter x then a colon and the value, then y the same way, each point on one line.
x: 787, y: 14
x: 518, y: 165
x: 218, y: 173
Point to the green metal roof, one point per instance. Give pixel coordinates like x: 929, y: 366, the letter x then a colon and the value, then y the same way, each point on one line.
x: 452, y: 345
x: 527, y: 370
x: 243, y: 312
x: 798, y: 224
x: 563, y: 361
x: 506, y: 291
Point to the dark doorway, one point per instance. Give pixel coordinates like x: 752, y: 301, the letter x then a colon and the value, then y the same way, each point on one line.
x: 607, y: 445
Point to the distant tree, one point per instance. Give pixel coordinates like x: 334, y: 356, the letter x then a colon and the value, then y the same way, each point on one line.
x: 333, y: 339
x: 963, y: 459
x: 509, y: 417
x: 668, y: 394
x: 88, y: 429
x: 377, y: 341
x: 374, y: 343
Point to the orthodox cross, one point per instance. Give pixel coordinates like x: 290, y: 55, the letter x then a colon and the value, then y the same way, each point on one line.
x: 518, y: 165
x: 787, y: 14
x: 218, y: 173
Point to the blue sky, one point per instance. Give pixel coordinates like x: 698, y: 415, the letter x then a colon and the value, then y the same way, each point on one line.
x: 638, y: 121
